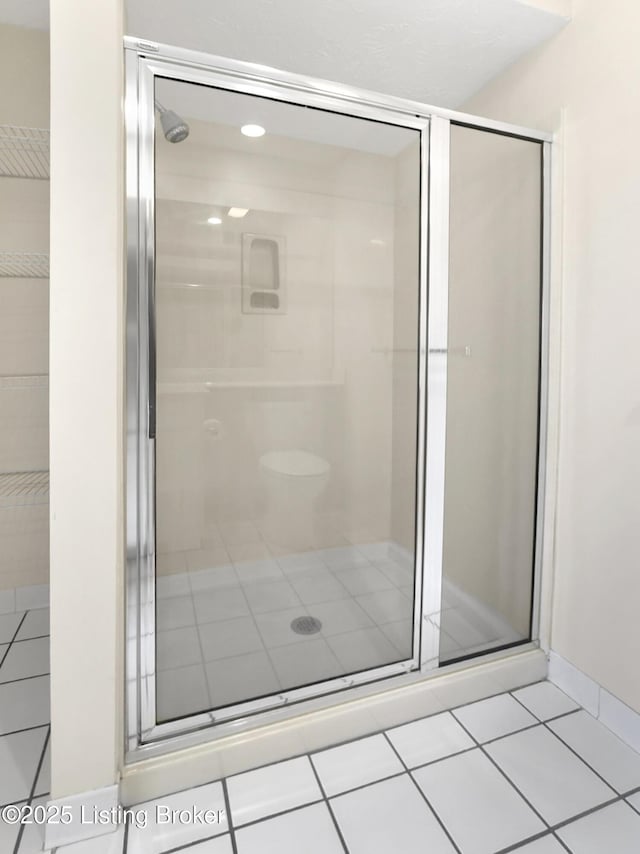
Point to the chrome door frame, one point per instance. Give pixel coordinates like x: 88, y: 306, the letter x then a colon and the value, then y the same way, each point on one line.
x: 143, y: 62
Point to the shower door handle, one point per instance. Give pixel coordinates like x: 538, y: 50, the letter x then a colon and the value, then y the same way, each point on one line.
x: 151, y: 357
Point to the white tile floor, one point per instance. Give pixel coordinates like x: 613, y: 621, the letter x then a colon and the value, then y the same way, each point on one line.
x: 224, y: 618
x: 525, y: 771
x: 24, y: 722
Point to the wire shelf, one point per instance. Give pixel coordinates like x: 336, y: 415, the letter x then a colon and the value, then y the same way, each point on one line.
x: 20, y: 488
x: 24, y: 265
x: 24, y: 152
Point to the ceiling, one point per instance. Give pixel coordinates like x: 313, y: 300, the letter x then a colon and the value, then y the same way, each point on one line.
x: 436, y: 51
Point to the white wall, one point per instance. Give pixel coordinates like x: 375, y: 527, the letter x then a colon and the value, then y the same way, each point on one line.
x: 86, y: 382
x: 590, y: 72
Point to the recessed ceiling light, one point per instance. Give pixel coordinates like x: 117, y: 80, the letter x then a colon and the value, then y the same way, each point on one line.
x: 238, y: 213
x: 252, y: 130
x: 214, y: 220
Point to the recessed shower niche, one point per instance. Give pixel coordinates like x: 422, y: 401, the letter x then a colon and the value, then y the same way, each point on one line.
x: 305, y: 359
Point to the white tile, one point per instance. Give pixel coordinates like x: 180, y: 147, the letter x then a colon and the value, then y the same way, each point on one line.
x: 209, y: 559
x: 400, y: 576
x: 574, y: 683
x: 32, y: 841
x: 170, y: 586
x: 275, y: 627
x: 274, y: 789
x: 343, y: 557
x: 225, y: 638
x: 174, y: 613
x: 342, y: 615
x: 317, y: 584
x: 310, y: 830
x: 300, y: 664
x: 375, y: 551
x: 389, y: 816
x: 43, y: 784
x: 293, y: 565
x: 480, y: 809
x: 494, y: 717
x: 363, y: 649
x: 221, y: 604
x: 217, y: 845
x: 544, y: 700
x: 615, y: 828
x: 400, y: 634
x: 35, y: 596
x: 429, y: 739
x: 635, y: 800
x: 109, y: 843
x: 350, y: 765
x: 35, y: 625
x: 362, y: 579
x: 8, y: 836
x: 24, y: 704
x: 159, y: 836
x: 456, y: 624
x: 178, y: 648
x: 213, y: 579
x: 620, y: 719
x: 556, y: 783
x: 19, y: 757
x: 8, y: 626
x: 601, y: 749
x: 171, y: 563
x: 267, y: 596
x: 3, y: 648
x: 250, y: 571
x: 545, y: 845
x: 24, y: 659
x: 7, y: 601
x: 181, y: 691
x: 240, y: 678
x: 386, y: 606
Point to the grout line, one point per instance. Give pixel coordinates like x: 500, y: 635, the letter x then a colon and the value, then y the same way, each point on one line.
x: 125, y: 840
x: 297, y: 808
x: 507, y: 778
x: 329, y: 807
x: 12, y: 641
x: 423, y: 796
x: 24, y: 679
x: 584, y: 761
x: 562, y: 843
x: 545, y: 834
x: 33, y: 787
x: 25, y: 729
x: 230, y: 825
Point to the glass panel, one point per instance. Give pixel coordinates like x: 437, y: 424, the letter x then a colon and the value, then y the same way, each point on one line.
x: 492, y: 391
x: 286, y: 306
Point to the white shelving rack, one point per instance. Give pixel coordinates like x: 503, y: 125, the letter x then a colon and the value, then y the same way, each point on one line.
x: 24, y: 154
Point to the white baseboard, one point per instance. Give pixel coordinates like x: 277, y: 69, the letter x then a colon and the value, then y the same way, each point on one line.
x: 608, y: 709
x: 95, y: 813
x: 15, y: 599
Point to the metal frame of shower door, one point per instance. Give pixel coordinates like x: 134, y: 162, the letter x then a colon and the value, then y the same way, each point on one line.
x: 141, y: 71
x: 143, y: 737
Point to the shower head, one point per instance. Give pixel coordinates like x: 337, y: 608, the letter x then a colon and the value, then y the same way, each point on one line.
x: 174, y: 127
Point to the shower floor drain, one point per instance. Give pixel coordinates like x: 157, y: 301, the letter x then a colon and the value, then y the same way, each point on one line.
x: 306, y: 625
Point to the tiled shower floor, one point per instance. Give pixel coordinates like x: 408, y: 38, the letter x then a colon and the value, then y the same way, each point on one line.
x: 224, y: 620
x: 526, y: 771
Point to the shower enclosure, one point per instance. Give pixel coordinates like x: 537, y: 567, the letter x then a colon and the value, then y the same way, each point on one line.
x: 335, y: 377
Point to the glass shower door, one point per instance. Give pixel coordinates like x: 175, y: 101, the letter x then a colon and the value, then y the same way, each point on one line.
x: 286, y: 320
